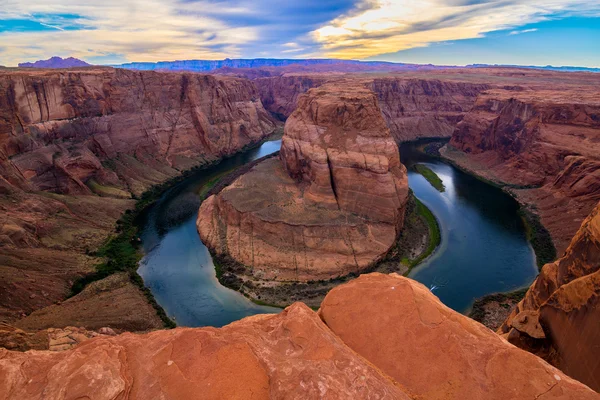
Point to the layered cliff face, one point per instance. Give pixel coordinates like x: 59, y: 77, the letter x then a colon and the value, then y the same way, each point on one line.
x: 412, y: 107
x: 332, y: 204
x: 379, y: 337
x: 558, y: 318
x: 58, y: 128
x: 77, y: 145
x: 542, y: 144
x: 280, y: 94
x: 421, y: 108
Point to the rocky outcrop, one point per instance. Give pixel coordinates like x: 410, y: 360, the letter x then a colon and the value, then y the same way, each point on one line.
x: 77, y: 145
x: 290, y: 355
x: 398, y: 325
x: 333, y: 204
x: 542, y: 144
x: 379, y: 337
x: 558, y: 318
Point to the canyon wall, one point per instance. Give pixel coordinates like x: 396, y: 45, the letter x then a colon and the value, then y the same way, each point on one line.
x: 558, y: 318
x: 542, y: 145
x: 421, y: 108
x: 76, y: 146
x: 332, y: 204
x: 378, y: 337
x: 412, y: 107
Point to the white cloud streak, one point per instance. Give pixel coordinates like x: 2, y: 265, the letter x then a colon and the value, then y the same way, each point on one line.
x: 138, y: 30
x: 387, y: 26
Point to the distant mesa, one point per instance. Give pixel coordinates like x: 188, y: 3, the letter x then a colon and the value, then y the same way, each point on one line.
x: 56, y: 62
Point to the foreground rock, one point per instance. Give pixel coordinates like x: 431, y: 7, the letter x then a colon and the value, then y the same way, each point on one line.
x: 332, y: 204
x: 77, y: 145
x: 558, y: 318
x: 401, y: 327
x: 290, y: 355
x: 379, y: 337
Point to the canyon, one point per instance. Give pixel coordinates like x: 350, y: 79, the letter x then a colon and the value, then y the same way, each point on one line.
x: 79, y: 147
x: 333, y: 204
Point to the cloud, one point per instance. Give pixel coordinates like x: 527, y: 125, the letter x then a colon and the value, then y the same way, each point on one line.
x: 142, y: 30
x: 386, y: 26
x: 523, y: 31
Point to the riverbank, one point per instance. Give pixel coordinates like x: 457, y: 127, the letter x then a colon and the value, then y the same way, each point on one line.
x: 493, y: 309
x: 539, y: 237
x: 418, y: 239
x: 121, y: 253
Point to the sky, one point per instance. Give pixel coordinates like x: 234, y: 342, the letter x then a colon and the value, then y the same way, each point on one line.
x: 448, y: 32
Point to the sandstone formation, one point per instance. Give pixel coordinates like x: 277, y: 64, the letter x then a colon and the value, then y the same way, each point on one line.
x: 543, y: 144
x: 558, y: 318
x: 413, y: 107
x: 77, y: 145
x: 421, y: 108
x: 398, y: 325
x: 285, y: 356
x: 332, y: 204
x: 379, y: 337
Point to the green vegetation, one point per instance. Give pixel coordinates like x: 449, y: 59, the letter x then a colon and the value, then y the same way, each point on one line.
x: 539, y: 237
x: 122, y: 253
x: 431, y: 177
x: 434, y: 238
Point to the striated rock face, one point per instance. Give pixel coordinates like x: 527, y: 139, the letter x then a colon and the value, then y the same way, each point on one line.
x: 564, y: 304
x: 280, y: 94
x: 544, y: 144
x: 59, y: 129
x: 420, y: 108
x: 333, y: 204
x: 401, y: 327
x: 290, y: 355
x: 76, y: 145
x: 379, y: 337
x: 413, y: 108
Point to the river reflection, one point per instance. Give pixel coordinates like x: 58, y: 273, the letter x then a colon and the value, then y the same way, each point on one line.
x: 484, y: 247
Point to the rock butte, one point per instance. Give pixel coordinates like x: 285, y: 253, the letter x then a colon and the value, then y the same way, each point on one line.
x: 558, y: 318
x: 332, y: 204
x: 379, y: 337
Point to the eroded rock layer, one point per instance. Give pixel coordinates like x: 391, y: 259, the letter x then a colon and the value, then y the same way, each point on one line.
x: 332, y: 204
x: 76, y: 145
x: 379, y: 337
x: 543, y: 144
x: 290, y: 355
x: 558, y: 318
x: 413, y: 107
x: 401, y: 327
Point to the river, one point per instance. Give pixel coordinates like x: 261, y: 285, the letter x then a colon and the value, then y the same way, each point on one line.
x: 483, y: 250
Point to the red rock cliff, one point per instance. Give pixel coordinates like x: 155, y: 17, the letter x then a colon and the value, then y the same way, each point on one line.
x: 379, y: 337
x: 544, y: 144
x: 560, y: 312
x: 333, y: 204
x: 76, y: 145
x: 412, y: 107
x: 57, y: 128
